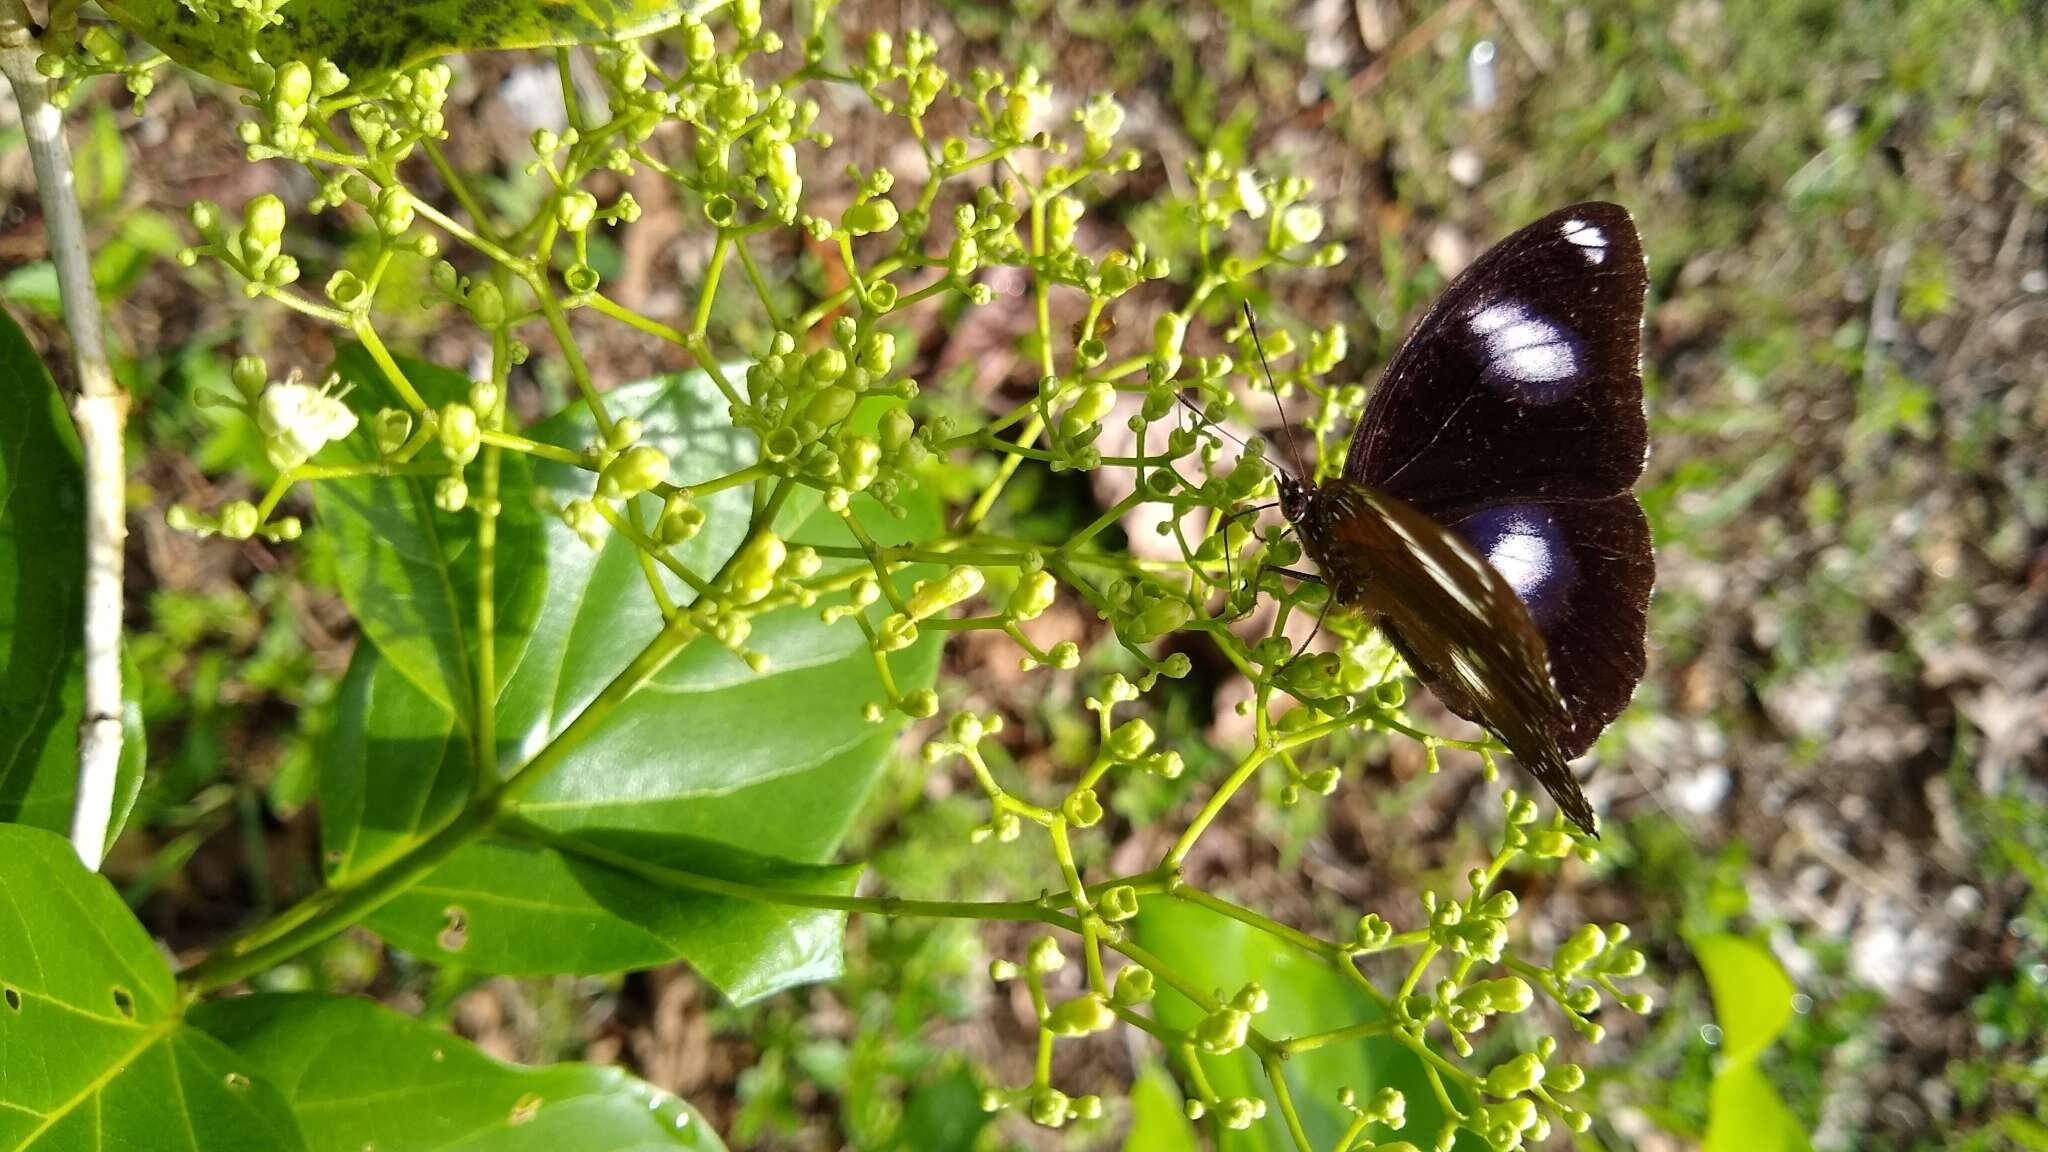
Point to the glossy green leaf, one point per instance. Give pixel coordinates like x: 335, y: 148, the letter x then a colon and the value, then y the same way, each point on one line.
x: 710, y: 771
x: 366, y: 39
x: 1744, y: 1114
x: 93, y: 1053
x: 362, y: 1076
x: 1216, y: 952
x: 1752, y: 995
x: 1158, y: 1122
x: 42, y: 590
x: 409, y: 570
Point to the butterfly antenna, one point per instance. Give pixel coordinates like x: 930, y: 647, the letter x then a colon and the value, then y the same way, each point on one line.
x: 1287, y: 426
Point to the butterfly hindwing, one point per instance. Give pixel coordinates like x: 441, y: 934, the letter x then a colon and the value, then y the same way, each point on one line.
x: 1457, y: 619
x: 1584, y: 571
x: 1524, y: 380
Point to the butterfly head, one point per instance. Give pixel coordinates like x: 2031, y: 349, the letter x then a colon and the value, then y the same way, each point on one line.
x: 1295, y: 498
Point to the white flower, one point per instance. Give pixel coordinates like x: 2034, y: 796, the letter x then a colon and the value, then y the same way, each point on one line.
x: 298, y: 420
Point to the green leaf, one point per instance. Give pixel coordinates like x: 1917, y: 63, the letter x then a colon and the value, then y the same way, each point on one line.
x: 1216, y: 952
x: 1158, y: 1123
x: 1752, y: 995
x: 369, y: 39
x: 42, y: 591
x: 409, y: 570
x: 685, y: 782
x: 1744, y: 1114
x: 362, y: 1076
x: 93, y: 1053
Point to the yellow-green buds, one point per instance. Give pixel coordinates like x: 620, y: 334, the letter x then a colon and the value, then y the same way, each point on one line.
x: 1045, y: 956
x: 451, y: 495
x: 1223, y: 1031
x: 586, y: 521
x: 575, y: 211
x: 877, y: 215
x: 1132, y: 739
x: 897, y: 426
x: 1516, y: 1076
x: 1101, y: 119
x: 391, y: 428
x: 1034, y: 593
x: 896, y: 633
x: 1080, y: 1016
x: 632, y: 472
x: 1133, y: 984
x: 754, y: 570
x: 249, y: 375
x: 458, y: 432
x: 239, y: 520
x: 1049, y: 1107
x: 1088, y: 409
x: 394, y: 211
x: 831, y: 405
x: 1301, y: 224
x: 680, y: 519
x: 1240, y: 1112
x: 934, y: 596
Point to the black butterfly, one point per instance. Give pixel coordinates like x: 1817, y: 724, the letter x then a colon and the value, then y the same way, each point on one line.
x: 1484, y: 517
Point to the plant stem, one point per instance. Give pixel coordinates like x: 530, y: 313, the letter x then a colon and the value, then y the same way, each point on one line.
x: 100, y: 411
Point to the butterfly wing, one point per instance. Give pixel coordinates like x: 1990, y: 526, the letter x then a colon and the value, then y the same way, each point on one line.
x: 1459, y: 622
x: 1524, y: 380
x: 1513, y: 413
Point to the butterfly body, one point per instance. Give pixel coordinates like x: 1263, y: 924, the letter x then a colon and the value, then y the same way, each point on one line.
x: 1484, y: 516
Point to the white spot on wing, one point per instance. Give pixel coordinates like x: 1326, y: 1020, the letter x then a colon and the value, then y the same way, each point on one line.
x: 1588, y: 237
x: 1526, y: 355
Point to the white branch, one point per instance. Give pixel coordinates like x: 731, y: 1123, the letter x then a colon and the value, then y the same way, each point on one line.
x: 100, y: 410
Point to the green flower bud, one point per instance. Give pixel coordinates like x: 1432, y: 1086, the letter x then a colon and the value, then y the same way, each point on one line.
x: 391, y: 429
x: 1063, y: 220
x: 896, y: 429
x: 1515, y: 1076
x: 451, y: 495
x: 1080, y: 1016
x: 1168, y: 332
x: 586, y: 521
x: 1134, y: 985
x: 1001, y: 971
x: 1045, y: 956
x: 575, y: 211
x: 1159, y: 618
x: 1239, y: 1112
x: 680, y: 520
x: 922, y: 703
x: 632, y: 472
x: 347, y: 289
x: 1567, y: 1078
x: 394, y: 211
x: 869, y: 217
x: 1095, y: 402
x: 934, y: 596
x: 294, y: 86
x: 861, y: 463
x: 238, y: 520
x: 250, y: 375
x: 1548, y: 844
x: 878, y: 353
x: 486, y: 304
x: 1251, y: 998
x: 753, y: 571
x: 1223, y: 1031
x: 1033, y: 595
x: 699, y: 45
x: 1578, y: 951
x: 830, y: 406
x: 1065, y: 655
x: 1082, y: 808
x: 458, y: 432
x: 1049, y: 1107
x: 1132, y: 739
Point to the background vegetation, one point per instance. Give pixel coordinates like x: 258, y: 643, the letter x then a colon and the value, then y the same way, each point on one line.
x: 1838, y: 753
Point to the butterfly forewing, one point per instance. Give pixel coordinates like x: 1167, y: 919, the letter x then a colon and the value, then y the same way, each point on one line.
x: 1523, y: 381
x: 1457, y: 620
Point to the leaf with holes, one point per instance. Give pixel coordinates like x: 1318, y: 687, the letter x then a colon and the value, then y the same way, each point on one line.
x: 362, y: 1076
x: 409, y: 571
x: 42, y: 604
x: 711, y: 774
x: 366, y: 40
x: 93, y: 1053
